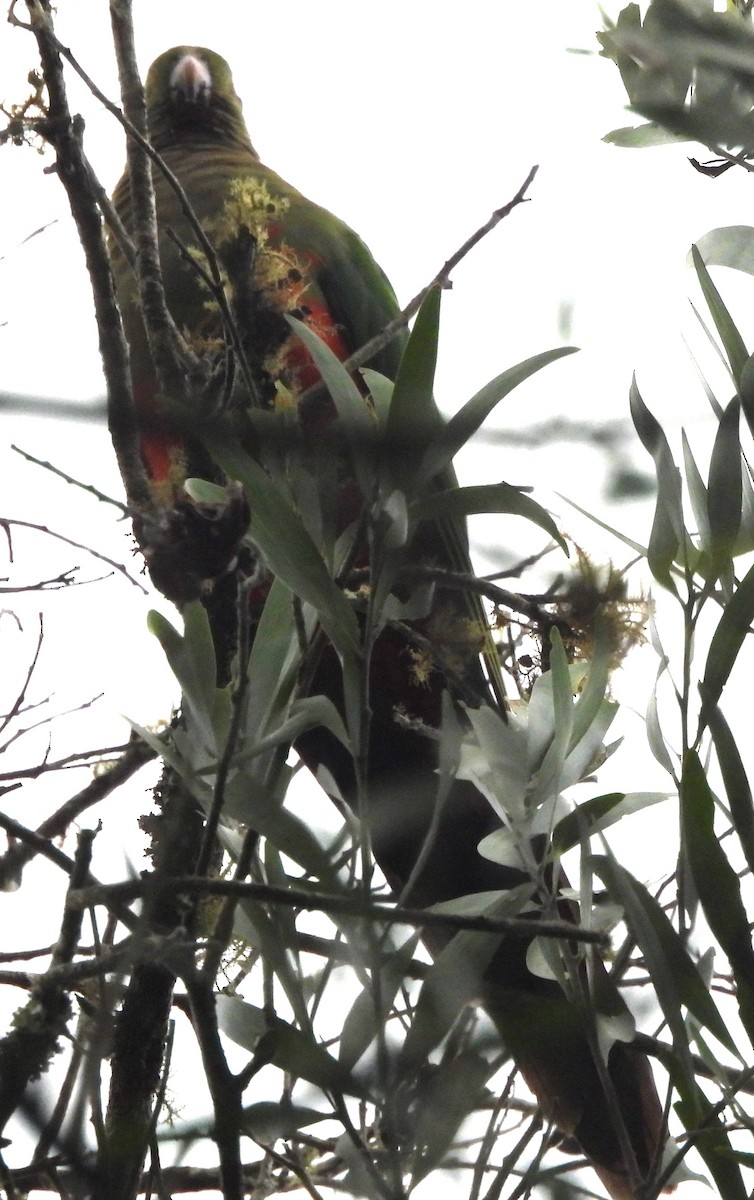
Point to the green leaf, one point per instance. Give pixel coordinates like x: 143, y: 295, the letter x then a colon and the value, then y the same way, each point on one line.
x: 594, y: 690
x: 724, y: 493
x: 549, y: 771
x: 311, y: 712
x: 413, y: 419
x: 697, y: 490
x: 745, y: 540
x: 262, y: 812
x: 485, y: 498
x: 290, y: 551
x: 192, y: 661
x: 717, y: 884
x: 284, y: 1046
x: 449, y: 1095
x: 363, y: 1019
x: 729, y: 246
x: 735, y: 779
x: 265, y: 1121
x: 639, y: 136
x: 268, y: 1120
x: 274, y: 661
x: 746, y: 392
x: 465, y: 423
x: 381, y: 391
x: 732, y: 628
x: 456, y: 979
x: 711, y: 1140
x: 202, y: 491
x: 616, y: 533
x: 163, y: 748
x: 655, y: 739
x: 268, y: 932
x: 359, y: 426
x: 724, y: 323
x: 668, y: 530
x: 674, y: 976
x: 599, y: 813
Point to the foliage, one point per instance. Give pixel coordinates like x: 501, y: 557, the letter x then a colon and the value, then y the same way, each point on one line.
x: 690, y: 71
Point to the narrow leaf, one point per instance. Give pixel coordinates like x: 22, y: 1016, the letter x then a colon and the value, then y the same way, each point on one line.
x: 729, y: 246
x: 284, y: 1046
x: 676, y: 980
x: 413, y: 419
x: 454, y: 980
x: 274, y: 660
x: 697, y: 494
x: 381, y: 391
x: 465, y: 423
x: 311, y: 712
x: 731, y: 339
x: 486, y: 498
x: 354, y: 414
x: 262, y: 929
x: 451, y: 1093
x: 732, y: 628
x: 363, y: 1020
x: 547, y: 777
x: 192, y: 661
x: 717, y: 884
x: 290, y: 551
x: 638, y: 136
x: 667, y: 528
x: 268, y: 1120
x: 724, y: 492
x: 594, y: 690
x: 745, y: 540
x: 711, y: 1140
x: 599, y: 813
x: 735, y: 779
x: 253, y: 809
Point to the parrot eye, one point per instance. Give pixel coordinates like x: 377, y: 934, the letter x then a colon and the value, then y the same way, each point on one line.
x: 190, y: 81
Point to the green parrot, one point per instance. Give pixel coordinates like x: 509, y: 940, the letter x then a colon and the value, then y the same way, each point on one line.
x: 299, y: 259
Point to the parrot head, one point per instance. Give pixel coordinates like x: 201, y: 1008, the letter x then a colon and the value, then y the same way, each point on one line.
x: 190, y: 96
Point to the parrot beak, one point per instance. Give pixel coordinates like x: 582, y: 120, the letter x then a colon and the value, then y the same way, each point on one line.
x: 190, y: 81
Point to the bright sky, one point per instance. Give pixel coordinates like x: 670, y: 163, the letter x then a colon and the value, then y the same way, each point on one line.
x: 413, y: 121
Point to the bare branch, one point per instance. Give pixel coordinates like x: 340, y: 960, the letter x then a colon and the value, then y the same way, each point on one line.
x: 8, y: 522
x: 441, y: 279
x: 15, y: 858
x: 85, y: 487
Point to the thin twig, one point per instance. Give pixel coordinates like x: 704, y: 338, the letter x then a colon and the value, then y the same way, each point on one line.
x: 441, y: 279
x: 17, y: 705
x: 138, y: 753
x: 14, y: 521
x: 80, y: 758
x: 85, y: 487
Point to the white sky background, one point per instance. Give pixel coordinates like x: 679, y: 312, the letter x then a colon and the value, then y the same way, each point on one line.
x: 412, y: 120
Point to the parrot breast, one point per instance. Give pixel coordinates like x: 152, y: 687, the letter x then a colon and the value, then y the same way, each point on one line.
x: 266, y: 273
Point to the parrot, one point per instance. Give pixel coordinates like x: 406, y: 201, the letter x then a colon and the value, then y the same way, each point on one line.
x: 299, y: 259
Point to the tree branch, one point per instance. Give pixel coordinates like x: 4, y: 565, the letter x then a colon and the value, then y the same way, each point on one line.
x: 349, y: 906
